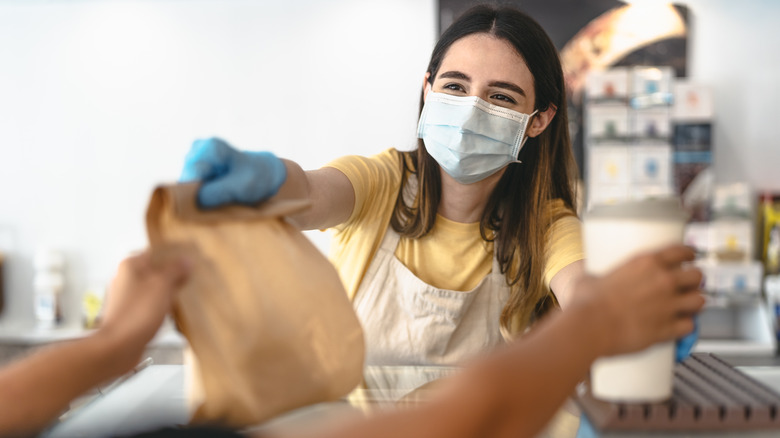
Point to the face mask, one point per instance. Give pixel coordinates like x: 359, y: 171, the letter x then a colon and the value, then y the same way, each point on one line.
x: 471, y: 139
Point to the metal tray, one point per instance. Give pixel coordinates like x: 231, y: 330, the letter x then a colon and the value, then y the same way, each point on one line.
x: 709, y: 394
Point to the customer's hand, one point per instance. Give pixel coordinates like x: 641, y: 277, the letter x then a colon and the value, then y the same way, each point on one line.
x: 230, y: 175
x: 651, y: 298
x: 138, y: 299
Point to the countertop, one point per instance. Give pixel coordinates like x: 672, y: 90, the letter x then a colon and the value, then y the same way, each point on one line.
x: 29, y: 335
x: 155, y: 397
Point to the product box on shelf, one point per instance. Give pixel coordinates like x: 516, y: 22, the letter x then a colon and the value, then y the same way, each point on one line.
x: 651, y: 80
x: 732, y: 239
x: 651, y: 86
x: 723, y: 240
x: 732, y: 278
x: 651, y: 123
x: 607, y: 85
x: 609, y: 164
x: 693, y: 102
x: 651, y: 164
x: 609, y: 173
x: 608, y: 123
x: 733, y: 200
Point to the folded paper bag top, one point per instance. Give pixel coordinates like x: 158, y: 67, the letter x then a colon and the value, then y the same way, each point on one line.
x: 268, y: 322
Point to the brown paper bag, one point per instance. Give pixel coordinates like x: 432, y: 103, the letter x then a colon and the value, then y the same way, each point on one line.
x: 267, y: 319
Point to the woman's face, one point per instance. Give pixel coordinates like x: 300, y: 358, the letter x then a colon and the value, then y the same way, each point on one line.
x: 487, y: 67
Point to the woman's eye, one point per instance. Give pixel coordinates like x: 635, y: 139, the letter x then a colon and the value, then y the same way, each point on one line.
x: 453, y: 87
x: 504, y: 98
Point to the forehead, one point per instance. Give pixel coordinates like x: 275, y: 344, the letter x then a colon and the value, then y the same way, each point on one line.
x: 484, y: 57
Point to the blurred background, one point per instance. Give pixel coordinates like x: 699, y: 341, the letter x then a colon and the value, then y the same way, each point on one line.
x: 101, y: 99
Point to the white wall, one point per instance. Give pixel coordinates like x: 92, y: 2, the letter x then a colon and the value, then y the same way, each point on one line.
x: 100, y: 100
x: 734, y: 47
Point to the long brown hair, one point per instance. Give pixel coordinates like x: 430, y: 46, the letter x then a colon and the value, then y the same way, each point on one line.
x: 517, y: 215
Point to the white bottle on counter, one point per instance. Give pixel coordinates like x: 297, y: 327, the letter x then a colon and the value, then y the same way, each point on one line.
x: 48, y: 284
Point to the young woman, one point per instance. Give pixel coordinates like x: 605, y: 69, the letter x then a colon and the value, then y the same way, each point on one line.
x: 455, y: 247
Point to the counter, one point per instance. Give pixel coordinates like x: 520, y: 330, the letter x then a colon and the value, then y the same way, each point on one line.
x: 16, y: 340
x: 154, y: 397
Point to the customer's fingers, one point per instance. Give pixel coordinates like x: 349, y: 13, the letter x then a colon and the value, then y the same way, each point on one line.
x: 688, y: 277
x: 674, y: 255
x: 689, y: 303
x: 173, y: 261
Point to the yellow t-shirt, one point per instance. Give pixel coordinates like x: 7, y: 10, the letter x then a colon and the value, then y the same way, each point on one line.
x: 452, y: 256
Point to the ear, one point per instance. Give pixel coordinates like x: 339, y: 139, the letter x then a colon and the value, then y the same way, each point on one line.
x: 425, y: 85
x: 540, y: 121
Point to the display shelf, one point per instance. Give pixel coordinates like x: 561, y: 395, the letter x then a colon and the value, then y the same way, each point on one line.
x: 733, y: 299
x: 736, y: 324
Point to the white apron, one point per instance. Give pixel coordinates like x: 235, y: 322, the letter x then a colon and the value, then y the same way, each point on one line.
x: 409, y: 322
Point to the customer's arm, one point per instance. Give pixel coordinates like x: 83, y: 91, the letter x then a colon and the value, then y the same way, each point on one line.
x: 36, y: 389
x: 516, y: 391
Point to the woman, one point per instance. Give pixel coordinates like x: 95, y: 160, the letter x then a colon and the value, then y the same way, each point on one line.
x: 448, y: 250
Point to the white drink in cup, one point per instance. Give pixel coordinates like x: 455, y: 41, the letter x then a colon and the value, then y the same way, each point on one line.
x: 612, y: 234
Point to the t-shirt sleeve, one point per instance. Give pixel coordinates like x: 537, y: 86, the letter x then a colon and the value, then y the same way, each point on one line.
x: 564, y: 245
x: 374, y: 180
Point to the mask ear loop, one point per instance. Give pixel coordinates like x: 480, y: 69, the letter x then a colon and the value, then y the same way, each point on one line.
x: 525, y: 136
x: 423, y: 112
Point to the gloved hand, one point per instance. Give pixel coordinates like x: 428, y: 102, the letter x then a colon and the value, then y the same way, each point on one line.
x: 585, y: 429
x: 230, y: 175
x: 684, y: 345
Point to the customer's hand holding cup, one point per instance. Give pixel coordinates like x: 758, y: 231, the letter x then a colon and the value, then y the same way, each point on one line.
x: 613, y: 234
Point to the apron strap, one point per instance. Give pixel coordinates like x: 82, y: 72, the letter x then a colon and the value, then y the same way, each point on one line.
x: 496, y: 270
x: 390, y: 241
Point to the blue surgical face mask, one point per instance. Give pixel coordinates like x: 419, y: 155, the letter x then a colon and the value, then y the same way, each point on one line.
x: 471, y: 139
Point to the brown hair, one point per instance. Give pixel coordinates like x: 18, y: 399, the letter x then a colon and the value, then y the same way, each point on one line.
x: 517, y: 215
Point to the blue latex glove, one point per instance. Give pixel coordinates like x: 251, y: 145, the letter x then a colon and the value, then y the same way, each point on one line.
x: 232, y: 176
x: 586, y: 430
x: 685, y: 344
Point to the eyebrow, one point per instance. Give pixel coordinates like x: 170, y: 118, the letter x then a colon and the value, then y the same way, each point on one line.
x: 498, y: 84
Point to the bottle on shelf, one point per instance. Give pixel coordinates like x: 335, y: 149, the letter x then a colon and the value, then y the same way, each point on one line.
x: 48, y: 284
